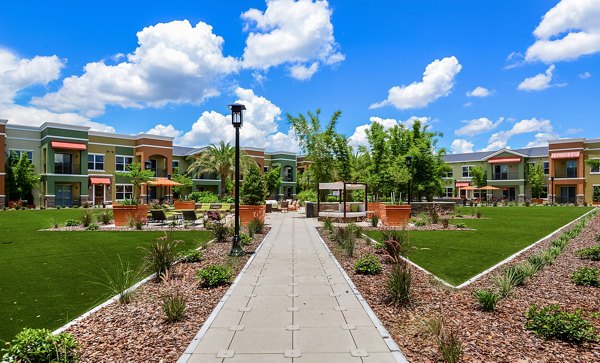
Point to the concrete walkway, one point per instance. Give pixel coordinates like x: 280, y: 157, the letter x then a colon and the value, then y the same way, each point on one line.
x: 292, y: 303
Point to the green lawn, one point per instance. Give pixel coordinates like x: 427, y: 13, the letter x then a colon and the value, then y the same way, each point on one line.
x: 456, y: 256
x: 45, y: 277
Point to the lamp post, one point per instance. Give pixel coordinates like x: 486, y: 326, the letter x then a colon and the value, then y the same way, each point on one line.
x: 408, y: 162
x: 237, y: 121
x: 147, y: 166
x: 553, y: 196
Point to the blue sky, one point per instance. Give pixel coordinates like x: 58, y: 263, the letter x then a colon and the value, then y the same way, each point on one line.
x: 133, y: 66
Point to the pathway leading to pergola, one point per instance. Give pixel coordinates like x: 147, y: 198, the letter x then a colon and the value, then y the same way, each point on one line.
x: 292, y: 304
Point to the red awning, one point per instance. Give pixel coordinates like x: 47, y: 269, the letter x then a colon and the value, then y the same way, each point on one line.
x: 462, y: 184
x: 100, y: 181
x: 68, y: 145
x: 515, y: 159
x: 566, y: 155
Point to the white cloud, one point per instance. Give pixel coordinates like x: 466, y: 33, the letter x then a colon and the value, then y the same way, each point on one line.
x: 585, y: 75
x: 567, y: 31
x: 542, y: 128
x: 175, y: 62
x: 468, y: 104
x: 438, y: 80
x: 303, y: 73
x: 460, y: 146
x: 164, y: 130
x: 293, y: 32
x: 541, y: 139
x: 359, y: 137
x: 478, y: 126
x: 479, y: 92
x: 538, y: 82
x: 573, y: 131
x: 19, y: 73
x: 33, y: 116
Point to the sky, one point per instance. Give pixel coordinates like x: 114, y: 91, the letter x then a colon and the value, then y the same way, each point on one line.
x: 487, y: 75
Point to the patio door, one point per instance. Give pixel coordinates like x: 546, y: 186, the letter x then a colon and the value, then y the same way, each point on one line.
x: 63, y: 195
x: 568, y: 195
x: 98, y: 194
x: 509, y: 194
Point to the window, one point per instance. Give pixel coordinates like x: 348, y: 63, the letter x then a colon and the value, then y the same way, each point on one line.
x: 595, y: 169
x: 571, y: 168
x: 501, y: 172
x: 124, y: 191
x: 95, y: 162
x: 29, y: 154
x: 266, y: 169
x: 62, y: 163
x: 546, y: 167
x: 448, y: 192
x: 288, y: 174
x: 449, y: 174
x: 122, y: 162
x: 544, y: 193
x: 466, y: 171
x: 175, y: 166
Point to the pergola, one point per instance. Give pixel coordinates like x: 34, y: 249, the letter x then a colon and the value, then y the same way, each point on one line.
x: 343, y: 188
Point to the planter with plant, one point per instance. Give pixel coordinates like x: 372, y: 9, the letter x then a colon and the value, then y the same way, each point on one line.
x: 130, y: 208
x: 396, y: 214
x: 252, y: 193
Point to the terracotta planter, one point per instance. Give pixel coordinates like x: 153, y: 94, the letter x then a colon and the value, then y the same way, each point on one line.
x: 122, y: 213
x: 375, y: 207
x: 249, y: 212
x: 184, y: 204
x: 537, y: 201
x: 397, y: 215
x: 595, y: 203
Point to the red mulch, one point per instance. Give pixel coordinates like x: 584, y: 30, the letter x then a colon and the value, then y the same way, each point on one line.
x: 137, y: 332
x: 486, y: 337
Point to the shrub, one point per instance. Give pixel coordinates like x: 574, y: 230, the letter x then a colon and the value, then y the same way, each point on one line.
x: 245, y: 239
x: 221, y: 232
x: 355, y: 229
x: 504, y: 283
x: 399, y: 284
x: 537, y: 261
x: 105, y: 216
x: 445, y: 222
x: 119, y: 278
x: 346, y: 237
x: 517, y: 274
x: 458, y: 211
x: 192, y: 255
x: 87, y: 218
x: 214, y: 275
x: 374, y: 221
x: 460, y: 225
x: 590, y: 253
x: 161, y: 255
x: 306, y: 195
x: 92, y: 227
x: 41, y: 346
x: 396, y: 244
x: 552, y: 322
x: 487, y: 299
x: 72, y: 223
x: 203, y: 197
x: 367, y: 265
x: 586, y: 276
x: 328, y: 224
x: 135, y: 222
x: 419, y: 222
x: 478, y: 213
x: 255, y: 226
x: 174, y: 307
x: 450, y: 346
x: 254, y: 189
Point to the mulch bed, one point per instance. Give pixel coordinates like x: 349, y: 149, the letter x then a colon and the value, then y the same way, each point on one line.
x: 113, y: 228
x: 137, y: 332
x: 486, y: 337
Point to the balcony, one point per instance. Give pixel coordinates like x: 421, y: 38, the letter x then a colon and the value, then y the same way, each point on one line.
x: 505, y: 176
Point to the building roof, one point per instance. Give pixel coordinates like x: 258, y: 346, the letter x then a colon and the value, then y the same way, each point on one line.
x: 185, y: 151
x: 530, y: 152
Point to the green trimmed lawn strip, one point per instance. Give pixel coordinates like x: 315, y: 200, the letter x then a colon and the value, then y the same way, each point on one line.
x: 456, y: 256
x: 46, y: 277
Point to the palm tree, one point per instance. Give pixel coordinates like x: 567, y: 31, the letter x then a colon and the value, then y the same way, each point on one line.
x: 219, y: 160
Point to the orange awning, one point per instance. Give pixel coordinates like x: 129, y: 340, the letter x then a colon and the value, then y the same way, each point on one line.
x: 566, y: 155
x: 515, y: 159
x: 68, y: 145
x: 164, y: 182
x: 99, y: 180
x: 462, y: 184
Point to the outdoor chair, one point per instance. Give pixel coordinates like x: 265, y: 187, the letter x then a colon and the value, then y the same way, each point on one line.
x: 284, y: 206
x: 158, y: 216
x: 225, y: 207
x: 204, y: 207
x: 189, y: 215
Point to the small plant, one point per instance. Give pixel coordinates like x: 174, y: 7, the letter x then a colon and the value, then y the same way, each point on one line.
x: 119, y: 278
x: 41, y: 346
x: 346, y: 238
x: 174, y: 307
x: 460, y: 225
x: 478, y: 214
x: 517, y: 274
x: 504, y: 283
x: 221, y: 232
x: 396, y: 244
x: 598, y: 238
x: 87, y: 218
x: 135, y: 222
x: 450, y: 346
x: 245, y: 239
x: 255, y: 226
x: 191, y: 255
x: 399, y: 284
x: 537, y: 261
x: 92, y: 227
x: 487, y: 299
x: 105, y: 216
x: 552, y: 322
x: 419, y: 222
x: 161, y: 255
x: 328, y: 224
x: 445, y: 222
x: 590, y: 253
x: 367, y: 265
x: 586, y: 276
x: 374, y: 221
x: 214, y: 275
x: 72, y: 223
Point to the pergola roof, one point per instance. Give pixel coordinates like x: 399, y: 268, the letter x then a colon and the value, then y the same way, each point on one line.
x: 340, y: 186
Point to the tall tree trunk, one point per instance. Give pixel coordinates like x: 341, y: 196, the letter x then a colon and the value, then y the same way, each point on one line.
x: 223, y: 184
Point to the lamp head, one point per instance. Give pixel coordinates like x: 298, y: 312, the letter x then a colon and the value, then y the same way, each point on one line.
x: 408, y: 161
x: 237, y: 114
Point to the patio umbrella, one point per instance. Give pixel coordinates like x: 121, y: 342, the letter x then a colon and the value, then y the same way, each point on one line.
x: 164, y: 182
x: 469, y: 188
x: 490, y: 188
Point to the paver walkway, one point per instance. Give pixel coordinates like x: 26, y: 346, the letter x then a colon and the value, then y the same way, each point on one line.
x: 292, y: 304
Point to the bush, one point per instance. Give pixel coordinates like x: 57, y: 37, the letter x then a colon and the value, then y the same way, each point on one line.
x: 254, y: 189
x: 517, y: 274
x: 174, y: 307
x: 92, y: 227
x: 135, y: 222
x: 105, y: 216
x: 552, y: 322
x: 586, y: 276
x: 367, y: 265
x: 72, y: 223
x: 590, y: 253
x: 445, y: 222
x: 328, y: 224
x: 221, y: 232
x: 41, y: 346
x: 306, y: 195
x: 399, y: 284
x: 374, y: 221
x: 87, y: 218
x: 450, y: 347
x: 537, y: 261
x: 504, y: 283
x: 460, y: 225
x: 396, y: 244
x: 487, y: 299
x: 245, y: 239
x: 214, y: 275
x: 255, y: 226
x: 203, y: 197
x: 161, y: 255
x: 192, y: 255
x: 346, y: 237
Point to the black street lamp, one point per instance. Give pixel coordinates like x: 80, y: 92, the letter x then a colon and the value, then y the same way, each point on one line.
x: 147, y: 166
x: 408, y: 162
x: 553, y: 197
x: 237, y: 121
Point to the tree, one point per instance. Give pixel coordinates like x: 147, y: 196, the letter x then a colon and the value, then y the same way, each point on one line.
x: 253, y: 190
x: 479, y: 176
x: 536, y: 179
x: 273, y: 180
x: 378, y: 170
x: 20, y: 177
x: 184, y: 180
x: 138, y: 176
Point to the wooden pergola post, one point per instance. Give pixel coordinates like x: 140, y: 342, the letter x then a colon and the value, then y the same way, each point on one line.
x: 345, y: 197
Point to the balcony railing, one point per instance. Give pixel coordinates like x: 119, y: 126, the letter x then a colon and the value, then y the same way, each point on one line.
x: 505, y: 176
x: 566, y: 173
